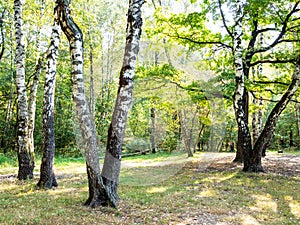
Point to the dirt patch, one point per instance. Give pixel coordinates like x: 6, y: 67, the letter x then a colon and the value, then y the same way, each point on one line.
x: 281, y: 164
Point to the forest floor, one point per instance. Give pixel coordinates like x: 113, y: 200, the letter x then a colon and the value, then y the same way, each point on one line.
x: 207, y: 189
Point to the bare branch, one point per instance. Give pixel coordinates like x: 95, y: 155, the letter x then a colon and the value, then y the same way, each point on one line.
x: 270, y: 82
x: 200, y: 42
x: 274, y: 61
x: 224, y: 20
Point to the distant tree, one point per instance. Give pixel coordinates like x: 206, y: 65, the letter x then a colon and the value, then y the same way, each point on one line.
x: 2, y: 40
x: 237, y: 51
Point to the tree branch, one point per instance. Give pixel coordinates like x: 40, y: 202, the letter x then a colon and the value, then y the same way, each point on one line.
x: 224, y: 21
x: 275, y: 61
x: 282, y: 32
x: 270, y: 82
x: 200, y: 42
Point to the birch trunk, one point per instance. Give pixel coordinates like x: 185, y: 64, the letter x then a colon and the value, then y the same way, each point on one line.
x: 97, y: 193
x: 25, y: 153
x: 240, y: 114
x: 47, y: 176
x: 266, y: 135
x: 113, y: 155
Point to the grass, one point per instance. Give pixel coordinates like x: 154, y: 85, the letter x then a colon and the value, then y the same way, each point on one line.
x: 170, y: 193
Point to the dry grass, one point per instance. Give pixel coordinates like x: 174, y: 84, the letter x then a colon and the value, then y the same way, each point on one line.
x: 152, y: 194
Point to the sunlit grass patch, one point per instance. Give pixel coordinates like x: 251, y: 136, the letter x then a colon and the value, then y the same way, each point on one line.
x: 150, y: 194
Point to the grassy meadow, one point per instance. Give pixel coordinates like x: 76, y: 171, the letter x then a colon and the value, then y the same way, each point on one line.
x: 154, y: 189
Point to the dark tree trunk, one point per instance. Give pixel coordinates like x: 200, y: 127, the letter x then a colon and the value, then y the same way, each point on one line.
x: 152, y: 134
x: 47, y: 176
x: 239, y: 150
x: 291, y: 138
x: 264, y: 139
x: 98, y: 195
x: 113, y: 155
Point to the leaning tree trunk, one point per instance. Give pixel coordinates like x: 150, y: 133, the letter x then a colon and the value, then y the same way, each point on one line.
x: 240, y: 114
x: 112, y: 161
x: 25, y: 153
x: 266, y: 135
x: 47, y: 176
x: 97, y: 193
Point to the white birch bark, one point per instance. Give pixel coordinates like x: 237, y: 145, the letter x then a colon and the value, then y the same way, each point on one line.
x: 47, y: 176
x: 112, y: 162
x: 240, y: 84
x: 97, y: 193
x: 25, y: 154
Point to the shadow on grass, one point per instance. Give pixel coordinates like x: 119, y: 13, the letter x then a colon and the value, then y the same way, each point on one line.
x: 167, y: 194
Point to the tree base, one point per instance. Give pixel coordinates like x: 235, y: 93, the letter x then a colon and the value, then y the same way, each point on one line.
x: 47, y: 182
x: 25, y: 172
x: 238, y: 160
x: 254, y: 169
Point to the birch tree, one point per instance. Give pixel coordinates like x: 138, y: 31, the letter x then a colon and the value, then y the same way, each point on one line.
x: 113, y: 155
x: 98, y: 195
x: 25, y: 153
x: 47, y: 176
x: 237, y: 52
x: 241, y: 117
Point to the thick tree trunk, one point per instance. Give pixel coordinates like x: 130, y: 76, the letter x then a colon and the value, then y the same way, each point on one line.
x: 98, y: 196
x: 47, y: 176
x: 240, y: 92
x: 112, y: 161
x: 25, y: 153
x: 152, y: 134
x: 266, y: 135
